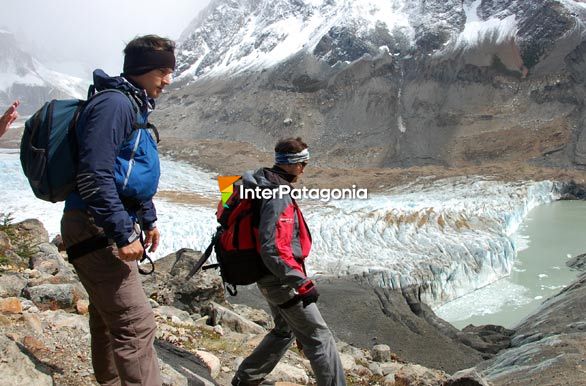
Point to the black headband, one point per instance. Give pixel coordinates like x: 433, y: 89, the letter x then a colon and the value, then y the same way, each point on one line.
x: 138, y: 63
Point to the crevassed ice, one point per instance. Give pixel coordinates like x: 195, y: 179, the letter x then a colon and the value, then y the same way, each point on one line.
x: 448, y: 237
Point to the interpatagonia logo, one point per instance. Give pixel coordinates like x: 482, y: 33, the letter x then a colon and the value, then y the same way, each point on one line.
x: 226, y: 184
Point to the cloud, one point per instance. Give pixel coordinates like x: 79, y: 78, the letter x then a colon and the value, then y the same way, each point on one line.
x: 75, y: 36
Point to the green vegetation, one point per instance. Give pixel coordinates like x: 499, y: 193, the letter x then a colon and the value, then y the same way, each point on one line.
x: 21, y: 245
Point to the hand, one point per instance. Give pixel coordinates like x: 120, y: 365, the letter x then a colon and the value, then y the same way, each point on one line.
x: 131, y: 252
x: 8, y: 117
x: 308, y: 293
x: 152, y: 238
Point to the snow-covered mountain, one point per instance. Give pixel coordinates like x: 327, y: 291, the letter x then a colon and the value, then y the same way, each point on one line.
x: 408, y: 82
x: 231, y: 36
x: 25, y: 78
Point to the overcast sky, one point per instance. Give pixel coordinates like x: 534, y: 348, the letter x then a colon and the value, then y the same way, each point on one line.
x: 76, y: 36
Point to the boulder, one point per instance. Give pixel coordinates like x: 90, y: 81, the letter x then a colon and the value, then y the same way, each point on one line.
x: 488, y: 338
x: 466, y: 377
x: 60, y: 319
x: 49, y: 261
x: 10, y: 306
x: 211, y: 361
x: 82, y: 306
x: 174, y: 314
x: 33, y: 344
x: 288, y: 373
x: 348, y: 361
x: 172, y: 377
x: 577, y: 263
x: 31, y: 230
x: 55, y: 296
x: 381, y: 353
x: 259, y: 317
x: 11, y: 284
x: 168, y: 286
x: 18, y: 369
x: 34, y: 322
x: 233, y: 321
x: 416, y: 375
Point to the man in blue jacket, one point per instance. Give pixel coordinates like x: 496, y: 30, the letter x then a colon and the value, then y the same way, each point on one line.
x: 106, y: 218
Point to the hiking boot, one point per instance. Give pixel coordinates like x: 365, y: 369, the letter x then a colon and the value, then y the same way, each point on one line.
x: 263, y: 382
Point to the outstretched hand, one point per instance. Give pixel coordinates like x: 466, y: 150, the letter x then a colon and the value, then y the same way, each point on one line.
x: 8, y: 117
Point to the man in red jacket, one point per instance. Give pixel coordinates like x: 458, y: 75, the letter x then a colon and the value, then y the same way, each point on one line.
x: 285, y: 242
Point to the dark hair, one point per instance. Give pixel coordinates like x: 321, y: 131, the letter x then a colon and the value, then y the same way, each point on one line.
x: 290, y: 145
x: 147, y: 43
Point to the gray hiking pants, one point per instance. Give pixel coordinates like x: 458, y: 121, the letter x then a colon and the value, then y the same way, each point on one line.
x: 305, y: 324
x: 122, y: 324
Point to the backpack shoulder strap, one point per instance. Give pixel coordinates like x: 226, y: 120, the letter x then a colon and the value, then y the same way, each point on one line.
x: 138, y: 116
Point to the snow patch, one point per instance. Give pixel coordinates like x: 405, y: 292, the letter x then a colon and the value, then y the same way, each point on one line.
x: 477, y: 31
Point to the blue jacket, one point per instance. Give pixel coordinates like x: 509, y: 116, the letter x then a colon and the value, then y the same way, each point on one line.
x: 118, y: 169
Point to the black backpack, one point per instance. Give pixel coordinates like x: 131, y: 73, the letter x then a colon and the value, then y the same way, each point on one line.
x: 236, y: 243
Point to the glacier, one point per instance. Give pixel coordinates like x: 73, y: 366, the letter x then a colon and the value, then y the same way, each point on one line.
x: 446, y: 238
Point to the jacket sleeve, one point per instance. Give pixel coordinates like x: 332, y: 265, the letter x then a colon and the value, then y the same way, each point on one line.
x: 276, y: 234
x: 103, y: 126
x: 149, y: 214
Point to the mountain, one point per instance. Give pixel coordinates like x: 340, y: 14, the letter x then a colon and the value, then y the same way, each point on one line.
x: 387, y: 82
x: 25, y: 78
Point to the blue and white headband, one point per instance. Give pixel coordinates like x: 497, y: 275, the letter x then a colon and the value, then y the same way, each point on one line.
x: 291, y: 158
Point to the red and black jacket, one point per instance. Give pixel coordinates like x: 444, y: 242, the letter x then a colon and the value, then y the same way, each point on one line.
x: 285, y: 240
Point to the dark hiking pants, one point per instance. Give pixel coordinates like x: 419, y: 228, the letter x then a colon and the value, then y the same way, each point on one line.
x: 122, y: 324
x: 305, y: 324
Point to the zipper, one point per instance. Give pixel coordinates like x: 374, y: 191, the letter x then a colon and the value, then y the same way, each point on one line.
x: 131, y: 161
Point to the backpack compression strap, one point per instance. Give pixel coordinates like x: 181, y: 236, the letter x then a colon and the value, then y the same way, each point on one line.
x: 205, y: 256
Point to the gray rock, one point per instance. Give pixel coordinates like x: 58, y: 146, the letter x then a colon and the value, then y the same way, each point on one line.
x: 153, y: 303
x: 18, y: 369
x: 259, y: 317
x: 11, y: 284
x: 577, y: 262
x: 548, y: 347
x: 375, y: 368
x: 233, y: 321
x: 172, y: 377
x: 168, y: 286
x: 288, y: 373
x: 390, y: 368
x: 381, y: 353
x: 54, y: 296
x: 487, y: 338
x: 33, y: 231
x: 34, y: 322
x: 348, y: 361
x: 466, y: 377
x: 183, y: 362
x: 415, y: 375
x: 49, y: 261
x: 60, y: 319
x: 174, y: 314
x: 211, y: 361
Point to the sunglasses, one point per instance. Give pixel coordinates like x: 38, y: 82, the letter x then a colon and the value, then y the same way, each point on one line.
x: 303, y: 164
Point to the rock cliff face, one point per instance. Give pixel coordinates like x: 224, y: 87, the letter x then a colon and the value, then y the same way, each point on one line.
x: 535, y: 354
x: 388, y: 83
